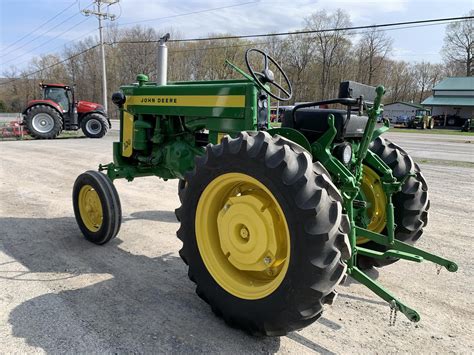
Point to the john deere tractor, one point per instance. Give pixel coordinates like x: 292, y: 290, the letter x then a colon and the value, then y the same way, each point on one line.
x: 271, y: 219
x: 58, y: 110
x: 422, y: 119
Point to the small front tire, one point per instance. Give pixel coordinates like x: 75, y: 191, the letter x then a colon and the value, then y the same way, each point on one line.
x: 96, y: 207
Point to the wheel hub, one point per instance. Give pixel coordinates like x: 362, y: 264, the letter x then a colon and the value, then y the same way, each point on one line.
x: 90, y: 208
x: 376, y: 199
x: 42, y: 122
x: 246, y: 233
x: 93, y: 126
x: 242, y: 236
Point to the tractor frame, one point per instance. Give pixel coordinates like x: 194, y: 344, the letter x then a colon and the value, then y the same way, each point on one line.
x: 163, y: 128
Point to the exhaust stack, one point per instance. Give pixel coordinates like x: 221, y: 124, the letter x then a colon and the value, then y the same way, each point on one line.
x: 162, y: 69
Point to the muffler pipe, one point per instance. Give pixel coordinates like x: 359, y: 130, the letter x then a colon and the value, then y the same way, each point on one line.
x: 162, y: 68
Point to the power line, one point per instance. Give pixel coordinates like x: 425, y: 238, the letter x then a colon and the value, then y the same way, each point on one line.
x: 57, y: 47
x: 451, y: 19
x: 336, y: 29
x: 40, y: 26
x: 48, y: 40
x: 261, y: 43
x: 40, y: 35
x: 51, y: 66
x: 102, y: 16
x: 190, y: 13
x: 282, y: 40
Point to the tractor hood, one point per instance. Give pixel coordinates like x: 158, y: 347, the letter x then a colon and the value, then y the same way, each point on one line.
x: 86, y: 106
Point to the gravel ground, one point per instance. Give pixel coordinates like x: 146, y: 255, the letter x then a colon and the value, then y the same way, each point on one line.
x: 59, y: 293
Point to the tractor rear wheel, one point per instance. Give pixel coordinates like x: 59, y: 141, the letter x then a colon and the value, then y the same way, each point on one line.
x: 96, y: 207
x: 411, y: 202
x: 181, y: 186
x: 263, y: 233
x: 94, y: 125
x: 43, y: 122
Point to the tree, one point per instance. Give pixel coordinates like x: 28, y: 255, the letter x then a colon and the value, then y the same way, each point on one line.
x: 328, y: 45
x: 459, y: 44
x: 373, y: 48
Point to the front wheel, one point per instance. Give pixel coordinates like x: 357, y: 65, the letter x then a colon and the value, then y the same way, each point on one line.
x: 94, y: 125
x: 263, y: 234
x: 96, y: 207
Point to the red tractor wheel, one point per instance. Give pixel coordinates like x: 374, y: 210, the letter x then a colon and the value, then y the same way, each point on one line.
x: 43, y: 122
x: 94, y: 125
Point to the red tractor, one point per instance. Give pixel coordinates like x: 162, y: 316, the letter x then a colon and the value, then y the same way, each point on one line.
x: 58, y: 111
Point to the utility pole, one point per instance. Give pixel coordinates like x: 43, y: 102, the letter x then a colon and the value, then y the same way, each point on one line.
x: 102, y: 16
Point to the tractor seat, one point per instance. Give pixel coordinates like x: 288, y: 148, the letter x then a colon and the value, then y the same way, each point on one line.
x: 312, y: 123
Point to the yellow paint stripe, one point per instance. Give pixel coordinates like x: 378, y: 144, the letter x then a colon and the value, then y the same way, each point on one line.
x: 127, y: 138
x: 188, y: 100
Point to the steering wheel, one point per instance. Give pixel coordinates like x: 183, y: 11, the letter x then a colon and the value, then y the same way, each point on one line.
x: 266, y: 76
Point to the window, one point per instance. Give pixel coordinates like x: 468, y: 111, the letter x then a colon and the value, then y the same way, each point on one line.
x: 57, y: 95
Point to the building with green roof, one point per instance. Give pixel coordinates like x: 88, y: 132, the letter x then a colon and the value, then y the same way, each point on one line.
x: 453, y: 99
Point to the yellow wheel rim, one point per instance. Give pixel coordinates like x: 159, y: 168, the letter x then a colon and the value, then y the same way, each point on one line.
x: 90, y: 208
x: 242, y: 236
x: 375, y: 197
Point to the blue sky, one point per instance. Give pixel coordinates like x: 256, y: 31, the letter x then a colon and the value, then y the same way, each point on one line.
x: 19, y: 17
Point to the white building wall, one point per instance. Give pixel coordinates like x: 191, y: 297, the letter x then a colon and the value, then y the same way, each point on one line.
x: 398, y: 109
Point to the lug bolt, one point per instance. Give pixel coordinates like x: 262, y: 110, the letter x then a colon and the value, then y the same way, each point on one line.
x: 244, y: 233
x: 267, y: 260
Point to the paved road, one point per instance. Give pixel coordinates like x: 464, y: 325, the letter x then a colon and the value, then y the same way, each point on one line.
x: 435, y: 146
x: 59, y: 293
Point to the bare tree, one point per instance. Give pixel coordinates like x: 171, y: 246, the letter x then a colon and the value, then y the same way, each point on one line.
x: 459, y: 44
x: 373, y: 48
x: 328, y: 45
x: 423, y: 75
x: 298, y: 56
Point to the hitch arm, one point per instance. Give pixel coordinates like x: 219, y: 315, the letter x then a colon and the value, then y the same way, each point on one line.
x: 375, y: 287
x: 404, y: 251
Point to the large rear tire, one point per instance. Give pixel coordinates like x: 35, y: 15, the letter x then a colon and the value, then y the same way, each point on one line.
x: 411, y: 202
x: 94, y: 125
x: 43, y: 122
x: 263, y: 233
x: 96, y: 207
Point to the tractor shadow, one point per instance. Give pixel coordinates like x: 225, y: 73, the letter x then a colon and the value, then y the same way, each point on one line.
x: 157, y: 216
x: 105, y: 299
x: 374, y: 274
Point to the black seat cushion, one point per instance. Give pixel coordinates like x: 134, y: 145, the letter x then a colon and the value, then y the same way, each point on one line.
x: 314, y: 122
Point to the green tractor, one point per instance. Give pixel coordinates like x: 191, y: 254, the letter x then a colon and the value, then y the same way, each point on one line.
x: 422, y: 119
x: 468, y: 125
x: 271, y: 220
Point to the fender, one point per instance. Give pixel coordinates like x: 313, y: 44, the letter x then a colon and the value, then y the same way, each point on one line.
x: 85, y: 108
x: 43, y: 102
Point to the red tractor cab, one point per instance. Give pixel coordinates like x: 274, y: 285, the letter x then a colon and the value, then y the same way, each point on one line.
x: 58, y: 111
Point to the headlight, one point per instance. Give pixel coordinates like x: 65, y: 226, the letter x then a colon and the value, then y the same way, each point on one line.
x: 118, y: 99
x: 343, y: 152
x: 347, y: 154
